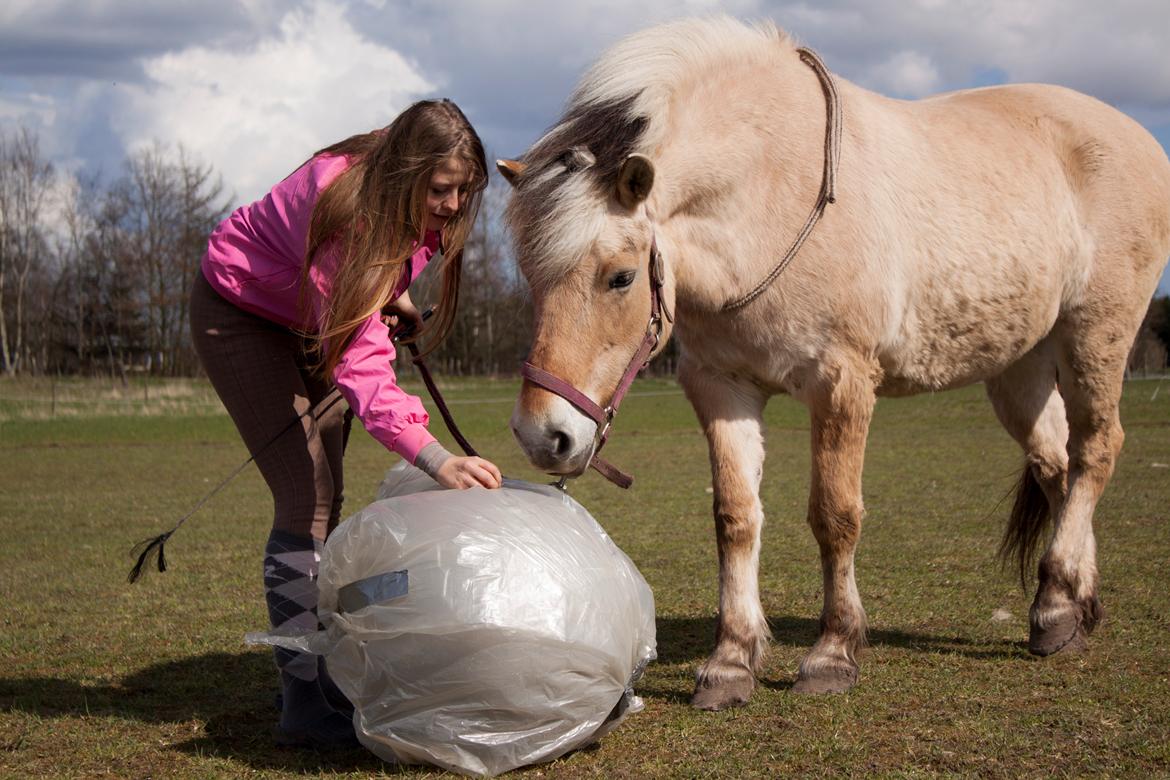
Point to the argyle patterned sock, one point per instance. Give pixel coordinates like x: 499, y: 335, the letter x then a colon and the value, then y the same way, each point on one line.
x: 290, y: 589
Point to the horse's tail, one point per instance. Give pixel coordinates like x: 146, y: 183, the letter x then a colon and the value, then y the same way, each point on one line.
x: 1026, y: 525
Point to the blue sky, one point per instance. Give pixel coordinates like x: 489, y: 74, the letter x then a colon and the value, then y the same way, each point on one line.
x: 253, y: 86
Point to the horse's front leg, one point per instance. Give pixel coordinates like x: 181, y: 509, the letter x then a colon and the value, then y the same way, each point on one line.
x: 841, y: 405
x: 731, y: 415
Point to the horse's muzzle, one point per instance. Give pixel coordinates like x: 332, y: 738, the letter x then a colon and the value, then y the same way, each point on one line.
x: 559, y: 442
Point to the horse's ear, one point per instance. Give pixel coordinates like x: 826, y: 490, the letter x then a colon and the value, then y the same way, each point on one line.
x: 635, y: 180
x: 510, y: 169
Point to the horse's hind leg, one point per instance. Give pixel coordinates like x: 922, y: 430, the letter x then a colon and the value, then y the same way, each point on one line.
x: 841, y: 405
x: 1026, y: 400
x: 731, y: 416
x: 1092, y: 349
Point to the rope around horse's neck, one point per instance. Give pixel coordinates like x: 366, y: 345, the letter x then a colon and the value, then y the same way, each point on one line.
x: 828, y: 193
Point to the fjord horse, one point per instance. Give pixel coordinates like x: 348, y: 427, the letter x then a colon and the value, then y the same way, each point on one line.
x: 1008, y: 235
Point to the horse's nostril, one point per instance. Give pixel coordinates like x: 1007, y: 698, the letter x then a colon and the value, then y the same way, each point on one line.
x: 561, y: 443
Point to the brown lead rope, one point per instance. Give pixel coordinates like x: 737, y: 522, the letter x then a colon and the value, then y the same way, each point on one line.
x: 433, y: 389
x: 405, y: 334
x: 828, y: 193
x: 149, y: 547
x: 156, y: 544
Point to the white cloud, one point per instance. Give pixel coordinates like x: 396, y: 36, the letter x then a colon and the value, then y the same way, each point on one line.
x: 30, y: 108
x: 1115, y: 51
x: 906, y: 74
x: 48, y: 118
x: 255, y: 113
x: 256, y: 87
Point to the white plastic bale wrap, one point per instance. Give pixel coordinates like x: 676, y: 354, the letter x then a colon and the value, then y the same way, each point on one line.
x: 514, y: 637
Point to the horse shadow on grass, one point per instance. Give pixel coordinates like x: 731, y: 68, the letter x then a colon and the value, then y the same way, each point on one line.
x: 688, y: 640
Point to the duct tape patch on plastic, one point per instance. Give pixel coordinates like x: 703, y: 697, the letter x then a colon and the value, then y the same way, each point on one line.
x: 373, y: 590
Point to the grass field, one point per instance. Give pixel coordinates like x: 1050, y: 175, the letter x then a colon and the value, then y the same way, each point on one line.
x: 104, y: 679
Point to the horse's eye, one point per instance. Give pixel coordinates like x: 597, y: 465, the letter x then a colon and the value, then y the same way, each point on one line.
x: 621, y: 279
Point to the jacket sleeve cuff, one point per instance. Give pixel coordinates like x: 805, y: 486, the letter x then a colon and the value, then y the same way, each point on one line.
x: 411, y: 441
x: 431, y: 458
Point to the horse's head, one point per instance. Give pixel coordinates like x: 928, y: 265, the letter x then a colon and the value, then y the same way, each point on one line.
x: 585, y: 244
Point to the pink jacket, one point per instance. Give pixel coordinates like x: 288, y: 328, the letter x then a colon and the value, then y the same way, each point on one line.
x: 254, y: 260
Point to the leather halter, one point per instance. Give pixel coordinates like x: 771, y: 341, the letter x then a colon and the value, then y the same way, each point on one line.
x: 604, y: 416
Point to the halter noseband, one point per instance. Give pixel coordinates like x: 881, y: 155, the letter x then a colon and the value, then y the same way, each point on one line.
x: 604, y: 416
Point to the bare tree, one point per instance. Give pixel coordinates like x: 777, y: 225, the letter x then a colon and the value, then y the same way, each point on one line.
x: 77, y: 293
x: 25, y: 183
x: 151, y: 221
x: 169, y: 203
x: 114, y: 310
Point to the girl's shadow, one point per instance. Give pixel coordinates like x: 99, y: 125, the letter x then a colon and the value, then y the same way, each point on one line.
x: 233, y: 695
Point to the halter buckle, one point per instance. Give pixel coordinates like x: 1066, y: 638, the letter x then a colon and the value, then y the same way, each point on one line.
x: 657, y: 268
x: 609, y: 412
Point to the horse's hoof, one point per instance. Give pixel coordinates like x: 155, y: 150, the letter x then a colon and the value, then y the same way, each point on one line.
x: 723, y: 694
x: 1066, y: 635
x: 829, y: 679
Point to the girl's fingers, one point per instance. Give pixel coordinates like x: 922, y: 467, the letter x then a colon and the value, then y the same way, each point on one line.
x: 497, y: 477
x: 485, y: 473
x: 467, y: 472
x: 481, y: 476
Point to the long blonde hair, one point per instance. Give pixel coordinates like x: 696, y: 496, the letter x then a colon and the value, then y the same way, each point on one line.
x: 375, y: 211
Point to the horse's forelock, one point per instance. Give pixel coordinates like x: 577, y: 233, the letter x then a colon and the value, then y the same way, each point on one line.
x: 609, y: 131
x: 560, y: 207
x: 552, y: 239
x: 620, y: 107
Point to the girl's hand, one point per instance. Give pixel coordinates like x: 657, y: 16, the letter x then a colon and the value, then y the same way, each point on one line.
x: 459, y: 472
x: 402, y: 312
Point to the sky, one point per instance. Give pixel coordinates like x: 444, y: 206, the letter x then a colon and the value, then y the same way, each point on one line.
x: 252, y: 87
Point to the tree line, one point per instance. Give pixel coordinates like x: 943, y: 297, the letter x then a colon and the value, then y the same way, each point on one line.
x: 95, y: 274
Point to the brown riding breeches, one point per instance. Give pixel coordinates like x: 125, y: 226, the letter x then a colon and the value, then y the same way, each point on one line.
x: 258, y: 368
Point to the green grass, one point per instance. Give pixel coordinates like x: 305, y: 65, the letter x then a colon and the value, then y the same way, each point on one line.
x: 101, y: 678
